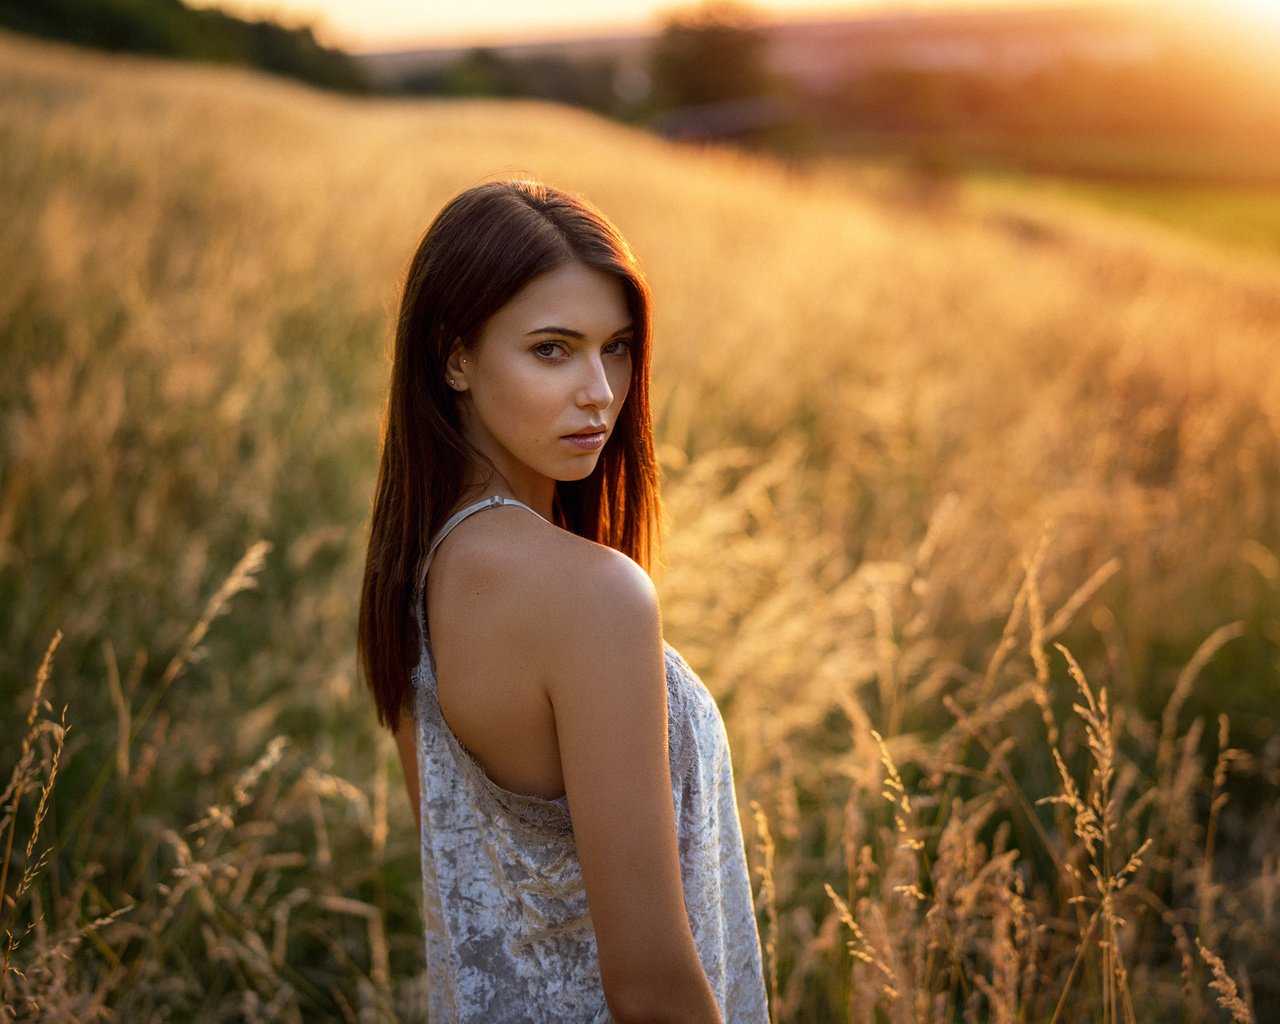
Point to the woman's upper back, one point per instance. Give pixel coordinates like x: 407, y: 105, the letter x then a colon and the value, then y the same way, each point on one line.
x: 510, y: 600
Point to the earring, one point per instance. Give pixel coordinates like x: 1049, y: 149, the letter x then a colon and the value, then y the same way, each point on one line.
x: 452, y: 383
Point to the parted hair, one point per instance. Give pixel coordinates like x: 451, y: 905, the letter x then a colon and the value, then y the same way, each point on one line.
x: 483, y: 247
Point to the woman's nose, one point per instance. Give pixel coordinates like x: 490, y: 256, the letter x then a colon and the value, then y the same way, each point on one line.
x: 595, y: 389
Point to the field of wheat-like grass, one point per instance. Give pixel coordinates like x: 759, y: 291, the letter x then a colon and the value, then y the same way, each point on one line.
x: 974, y: 531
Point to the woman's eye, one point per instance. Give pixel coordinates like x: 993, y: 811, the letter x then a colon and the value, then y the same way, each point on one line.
x: 547, y: 350
x: 617, y: 348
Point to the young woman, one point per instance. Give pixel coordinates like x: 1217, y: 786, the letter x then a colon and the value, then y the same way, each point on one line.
x: 581, y: 854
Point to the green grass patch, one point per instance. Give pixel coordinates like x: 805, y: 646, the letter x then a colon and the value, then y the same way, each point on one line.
x: 1238, y: 216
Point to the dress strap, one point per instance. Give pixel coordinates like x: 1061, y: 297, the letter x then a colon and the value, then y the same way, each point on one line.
x: 493, y: 502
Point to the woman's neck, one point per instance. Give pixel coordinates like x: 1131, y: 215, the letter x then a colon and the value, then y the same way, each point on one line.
x: 538, y: 494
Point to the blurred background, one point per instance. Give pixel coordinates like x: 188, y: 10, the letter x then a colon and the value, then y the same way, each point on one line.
x: 966, y: 322
x: 1099, y: 95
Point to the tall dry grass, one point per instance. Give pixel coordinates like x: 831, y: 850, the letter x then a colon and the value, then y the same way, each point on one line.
x: 915, y: 438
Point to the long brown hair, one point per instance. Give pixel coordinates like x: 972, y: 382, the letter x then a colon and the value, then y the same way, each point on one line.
x: 482, y: 248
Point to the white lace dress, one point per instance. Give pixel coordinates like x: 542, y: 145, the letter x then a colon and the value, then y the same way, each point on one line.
x: 508, y: 934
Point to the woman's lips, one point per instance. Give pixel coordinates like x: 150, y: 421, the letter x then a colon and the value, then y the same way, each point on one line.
x: 587, y: 440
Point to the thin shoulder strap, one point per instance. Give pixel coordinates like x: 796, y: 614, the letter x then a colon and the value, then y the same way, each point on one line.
x: 456, y: 518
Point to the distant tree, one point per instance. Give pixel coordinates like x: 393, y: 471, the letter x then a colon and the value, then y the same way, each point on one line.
x: 585, y: 82
x: 294, y: 52
x: 711, y: 54
x: 171, y: 28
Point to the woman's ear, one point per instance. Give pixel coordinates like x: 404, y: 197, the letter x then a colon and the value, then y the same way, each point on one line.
x: 456, y: 367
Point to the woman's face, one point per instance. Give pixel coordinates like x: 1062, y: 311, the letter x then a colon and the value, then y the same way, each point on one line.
x: 543, y: 386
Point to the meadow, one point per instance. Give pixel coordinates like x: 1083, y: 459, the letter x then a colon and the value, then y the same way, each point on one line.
x: 1243, y: 218
x: 973, y: 506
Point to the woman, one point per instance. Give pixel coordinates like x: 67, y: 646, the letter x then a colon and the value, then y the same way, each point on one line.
x: 581, y: 853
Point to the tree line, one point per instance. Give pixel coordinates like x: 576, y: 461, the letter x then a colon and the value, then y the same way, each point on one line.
x: 170, y: 28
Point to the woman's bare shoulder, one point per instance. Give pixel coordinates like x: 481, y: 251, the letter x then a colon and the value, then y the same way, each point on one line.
x: 548, y: 606
x: 534, y: 574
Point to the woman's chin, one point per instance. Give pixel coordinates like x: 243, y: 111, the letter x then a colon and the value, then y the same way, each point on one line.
x: 579, y: 469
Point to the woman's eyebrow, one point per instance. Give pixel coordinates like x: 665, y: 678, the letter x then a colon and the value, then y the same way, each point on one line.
x: 569, y: 332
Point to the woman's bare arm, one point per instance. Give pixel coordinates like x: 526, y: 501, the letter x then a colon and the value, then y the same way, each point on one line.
x: 602, y: 642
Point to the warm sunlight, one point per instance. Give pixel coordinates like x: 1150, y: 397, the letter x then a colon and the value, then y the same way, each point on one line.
x: 390, y: 24
x: 1262, y: 10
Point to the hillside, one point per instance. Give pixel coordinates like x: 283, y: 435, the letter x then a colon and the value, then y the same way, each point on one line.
x: 913, y: 434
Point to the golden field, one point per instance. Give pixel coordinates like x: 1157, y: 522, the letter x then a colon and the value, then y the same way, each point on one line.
x: 915, y: 436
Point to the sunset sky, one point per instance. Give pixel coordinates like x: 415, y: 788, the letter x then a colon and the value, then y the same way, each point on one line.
x: 364, y: 25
